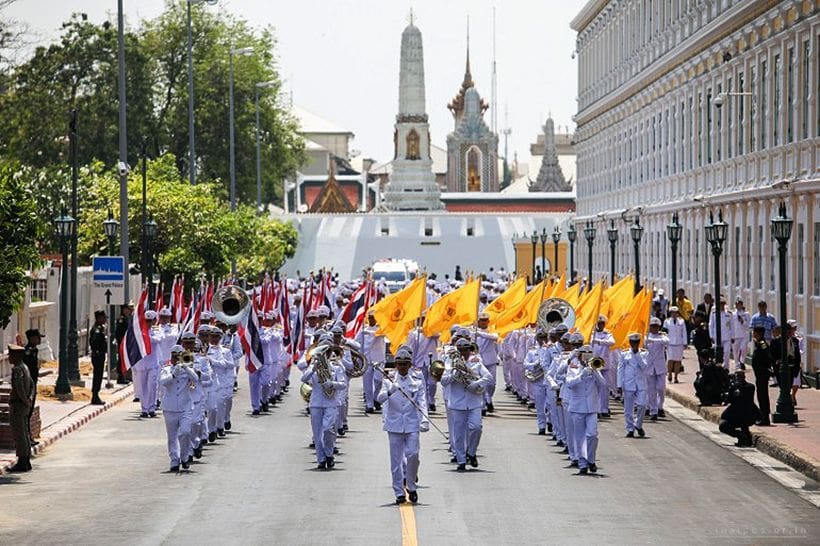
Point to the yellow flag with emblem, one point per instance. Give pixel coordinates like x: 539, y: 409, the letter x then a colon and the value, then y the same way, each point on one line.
x: 510, y: 297
x: 458, y: 307
x: 523, y: 314
x: 586, y: 313
x: 558, y: 287
x: 633, y: 319
x: 396, y: 313
x: 618, y: 297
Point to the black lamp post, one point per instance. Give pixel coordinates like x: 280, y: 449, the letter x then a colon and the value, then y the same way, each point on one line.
x: 543, y: 238
x: 637, y: 233
x: 150, y: 231
x: 73, y: 355
x: 556, y: 236
x: 589, y: 233
x: 572, y: 235
x: 612, y: 235
x: 110, y: 226
x: 716, y: 235
x: 673, y: 231
x: 65, y: 226
x: 515, y: 252
x: 782, y: 231
x: 534, y: 241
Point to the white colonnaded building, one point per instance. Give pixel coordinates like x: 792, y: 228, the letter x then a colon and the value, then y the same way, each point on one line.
x: 696, y: 107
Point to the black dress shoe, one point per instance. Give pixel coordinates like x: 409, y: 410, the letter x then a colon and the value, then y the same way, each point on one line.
x: 198, y: 453
x: 345, y: 427
x: 549, y: 427
x: 330, y: 462
x: 175, y: 468
x: 432, y: 407
x: 573, y: 464
x: 322, y: 466
x: 531, y: 405
x: 453, y: 460
x: 661, y: 413
x: 377, y: 406
x: 462, y: 467
x: 542, y: 432
x: 97, y: 402
x: 641, y: 433
x: 33, y: 442
x: 227, y: 425
x: 763, y: 423
x: 630, y: 434
x: 221, y: 432
x: 369, y: 410
x: 159, y: 402
x: 136, y: 399
x: 401, y: 499
x: 414, y: 497
x: 593, y: 468
x: 508, y: 388
x: 559, y: 443
x: 312, y: 445
x: 565, y: 450
x: 490, y: 407
x: 473, y: 460
x: 23, y: 465
x: 484, y: 413
x: 186, y: 465
x: 152, y: 414
x: 606, y: 415
x: 341, y: 432
x: 144, y: 414
x: 265, y: 406
x: 212, y: 437
x: 584, y: 470
x: 653, y: 417
x: 255, y: 412
x: 335, y: 450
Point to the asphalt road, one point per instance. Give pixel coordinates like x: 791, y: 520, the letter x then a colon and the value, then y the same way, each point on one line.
x: 108, y: 483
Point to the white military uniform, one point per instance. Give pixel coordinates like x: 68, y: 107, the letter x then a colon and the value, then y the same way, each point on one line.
x: 632, y: 379
x: 403, y: 422
x: 465, y: 403
x: 146, y: 372
x: 585, y: 384
x: 725, y: 333
x: 374, y: 351
x: 488, y: 350
x: 324, y: 409
x: 656, y: 370
x: 740, y: 336
x: 601, y: 343
x: 538, y: 360
x: 676, y: 331
x: 177, y: 410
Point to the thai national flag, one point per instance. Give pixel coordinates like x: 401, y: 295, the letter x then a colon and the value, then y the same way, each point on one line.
x: 177, y: 299
x: 136, y: 343
x: 248, y: 331
x: 284, y: 313
x: 361, y: 301
x: 356, y: 302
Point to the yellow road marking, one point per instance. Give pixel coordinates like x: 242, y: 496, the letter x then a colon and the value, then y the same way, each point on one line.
x: 408, y: 525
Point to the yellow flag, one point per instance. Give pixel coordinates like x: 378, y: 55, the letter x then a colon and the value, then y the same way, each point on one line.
x: 617, y: 299
x: 586, y: 314
x: 396, y: 313
x: 571, y: 295
x: 458, y: 307
x: 523, y: 314
x: 558, y: 287
x: 510, y: 297
x: 633, y: 319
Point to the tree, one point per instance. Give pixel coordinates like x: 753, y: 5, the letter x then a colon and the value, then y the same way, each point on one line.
x: 19, y: 232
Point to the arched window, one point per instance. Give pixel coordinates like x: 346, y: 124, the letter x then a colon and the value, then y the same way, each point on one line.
x: 474, y: 169
x: 413, y: 145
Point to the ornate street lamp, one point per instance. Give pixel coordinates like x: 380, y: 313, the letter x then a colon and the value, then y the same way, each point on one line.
x: 556, y: 236
x: 572, y: 235
x: 612, y: 235
x: 637, y: 233
x: 716, y: 235
x: 673, y: 231
x: 782, y: 232
x: 110, y: 226
x: 543, y: 238
x: 65, y: 226
x: 150, y: 231
x: 73, y: 351
x: 589, y: 234
x: 534, y: 241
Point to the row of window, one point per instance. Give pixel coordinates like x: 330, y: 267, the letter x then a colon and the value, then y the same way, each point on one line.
x: 687, y: 131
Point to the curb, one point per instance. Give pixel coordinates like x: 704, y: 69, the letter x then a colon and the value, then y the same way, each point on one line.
x: 803, y: 463
x: 70, y: 423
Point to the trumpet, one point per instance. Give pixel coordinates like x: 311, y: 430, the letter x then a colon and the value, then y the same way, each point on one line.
x: 596, y: 363
x: 186, y: 358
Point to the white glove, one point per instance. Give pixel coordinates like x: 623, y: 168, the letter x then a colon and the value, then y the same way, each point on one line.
x: 474, y: 387
x: 424, y: 426
x: 587, y: 372
x: 391, y: 387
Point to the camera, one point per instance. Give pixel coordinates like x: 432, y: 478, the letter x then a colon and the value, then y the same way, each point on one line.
x: 122, y: 168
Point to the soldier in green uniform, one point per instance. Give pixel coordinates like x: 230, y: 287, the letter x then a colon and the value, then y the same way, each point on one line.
x: 98, y: 344
x: 21, y: 402
x: 32, y: 361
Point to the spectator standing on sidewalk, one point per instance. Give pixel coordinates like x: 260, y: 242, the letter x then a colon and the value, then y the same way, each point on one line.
x: 98, y: 344
x: 764, y: 319
x: 725, y: 330
x: 741, y: 321
x: 21, y: 401
x: 762, y: 362
x: 707, y: 306
x: 31, y: 359
x: 664, y: 303
x: 685, y: 309
x: 793, y: 356
x: 675, y: 328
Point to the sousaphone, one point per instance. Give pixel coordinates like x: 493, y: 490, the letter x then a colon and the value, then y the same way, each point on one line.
x: 555, y: 311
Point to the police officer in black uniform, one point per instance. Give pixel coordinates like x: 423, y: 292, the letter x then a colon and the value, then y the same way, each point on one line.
x: 741, y: 412
x: 99, y: 347
x: 32, y: 362
x: 120, y: 328
x: 762, y: 363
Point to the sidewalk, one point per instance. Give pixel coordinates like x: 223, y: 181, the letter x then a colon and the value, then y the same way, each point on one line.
x: 62, y: 418
x: 796, y: 445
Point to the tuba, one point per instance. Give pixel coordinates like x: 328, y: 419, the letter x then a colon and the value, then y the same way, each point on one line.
x: 555, y: 311
x: 359, y: 362
x: 231, y: 304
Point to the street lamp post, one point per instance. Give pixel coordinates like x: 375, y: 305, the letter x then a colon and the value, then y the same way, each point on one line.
x: 637, y: 233
x: 110, y: 226
x: 123, y: 142
x: 191, y: 139
x: 612, y: 235
x: 673, y: 231
x: 589, y: 234
x: 65, y: 226
x: 782, y: 231
x: 243, y: 51
x: 572, y: 235
x: 556, y: 237
x: 144, y: 238
x: 534, y: 241
x: 543, y: 238
x: 513, y: 239
x: 73, y: 335
x: 260, y: 85
x: 150, y: 231
x: 716, y: 235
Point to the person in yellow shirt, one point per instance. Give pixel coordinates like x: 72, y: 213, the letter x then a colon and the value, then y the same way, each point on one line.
x: 685, y: 309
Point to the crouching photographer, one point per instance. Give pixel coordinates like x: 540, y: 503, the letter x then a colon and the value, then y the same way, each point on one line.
x: 741, y: 411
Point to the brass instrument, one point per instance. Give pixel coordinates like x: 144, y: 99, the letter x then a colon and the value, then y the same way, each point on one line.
x: 187, y: 358
x: 230, y: 304
x: 461, y: 372
x: 535, y: 375
x: 555, y: 311
x: 358, y: 359
x: 305, y: 391
x: 437, y: 369
x: 596, y: 363
x: 321, y: 366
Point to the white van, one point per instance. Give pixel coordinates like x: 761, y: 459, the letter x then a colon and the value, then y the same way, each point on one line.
x: 394, y: 273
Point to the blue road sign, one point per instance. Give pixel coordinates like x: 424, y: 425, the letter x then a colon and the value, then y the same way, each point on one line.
x: 107, y: 280
x: 108, y: 268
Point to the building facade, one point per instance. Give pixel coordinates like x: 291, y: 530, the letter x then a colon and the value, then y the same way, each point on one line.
x: 695, y: 107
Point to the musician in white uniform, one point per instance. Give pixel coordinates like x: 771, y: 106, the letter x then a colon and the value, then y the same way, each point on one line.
x: 655, y: 343
x: 404, y: 399
x: 374, y: 350
x: 467, y: 378
x: 536, y: 365
x: 488, y: 350
x: 585, y: 385
x: 327, y: 379
x: 176, y: 380
x: 146, y: 370
x: 601, y: 343
x: 632, y: 382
